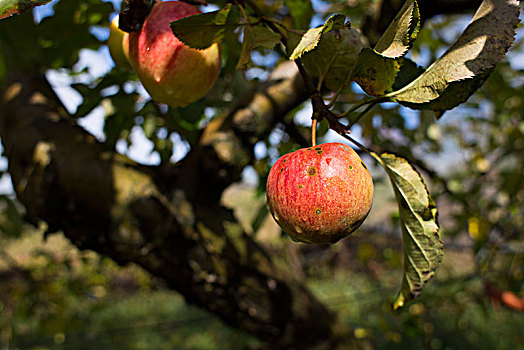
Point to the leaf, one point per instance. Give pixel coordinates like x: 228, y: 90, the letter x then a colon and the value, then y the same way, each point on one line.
x: 378, y: 75
x: 423, y: 248
x: 203, y: 30
x: 69, y: 30
x: 256, y: 36
x: 120, y: 116
x: 312, y: 37
x: 93, y: 94
x: 16, y: 7
x: 472, y: 57
x: 401, y: 33
x: 301, y: 12
x: 333, y: 60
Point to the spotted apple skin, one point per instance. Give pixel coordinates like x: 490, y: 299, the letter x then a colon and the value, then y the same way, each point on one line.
x: 170, y: 71
x: 320, y: 194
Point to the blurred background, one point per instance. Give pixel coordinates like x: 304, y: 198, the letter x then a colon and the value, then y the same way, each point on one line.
x: 54, y: 296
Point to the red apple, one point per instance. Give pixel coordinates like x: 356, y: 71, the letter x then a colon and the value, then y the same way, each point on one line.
x: 320, y: 194
x: 118, y: 43
x: 172, y: 72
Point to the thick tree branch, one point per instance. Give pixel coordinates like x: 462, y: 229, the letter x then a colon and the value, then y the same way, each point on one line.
x: 105, y: 202
x: 226, y: 146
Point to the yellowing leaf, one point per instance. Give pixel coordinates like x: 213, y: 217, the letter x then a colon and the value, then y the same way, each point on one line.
x: 423, y: 248
x: 401, y: 33
x: 312, y: 37
x: 472, y: 57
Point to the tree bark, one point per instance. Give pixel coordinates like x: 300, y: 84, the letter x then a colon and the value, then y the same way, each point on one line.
x: 169, y: 219
x: 105, y: 202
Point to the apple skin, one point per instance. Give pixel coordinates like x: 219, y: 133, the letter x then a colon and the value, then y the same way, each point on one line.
x: 118, y: 43
x: 170, y: 71
x: 320, y: 194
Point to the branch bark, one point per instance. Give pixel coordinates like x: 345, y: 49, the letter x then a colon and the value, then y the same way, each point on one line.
x: 168, y: 220
x: 105, y: 202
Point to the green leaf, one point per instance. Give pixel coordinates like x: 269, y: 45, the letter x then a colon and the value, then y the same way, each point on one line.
x: 401, y: 33
x: 312, y: 37
x: 120, y: 116
x: 63, y: 35
x: 203, y: 30
x: 16, y: 7
x: 423, y: 248
x: 256, y: 36
x: 333, y: 57
x: 378, y: 75
x: 466, y: 64
x: 301, y: 12
x: 92, y: 94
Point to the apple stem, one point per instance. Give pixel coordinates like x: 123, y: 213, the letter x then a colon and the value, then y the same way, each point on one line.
x: 314, y: 132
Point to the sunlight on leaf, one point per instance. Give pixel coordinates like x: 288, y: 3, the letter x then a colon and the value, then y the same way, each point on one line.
x: 16, y: 7
x: 423, y: 248
x: 401, y: 33
x: 473, y: 56
x: 329, y: 53
x: 312, y: 37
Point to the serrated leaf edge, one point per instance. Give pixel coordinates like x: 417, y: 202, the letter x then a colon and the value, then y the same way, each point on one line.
x: 328, y: 25
x: 411, y: 36
x: 402, y: 298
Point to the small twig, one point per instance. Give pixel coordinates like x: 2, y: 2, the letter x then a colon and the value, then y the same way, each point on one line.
x: 358, y: 144
x: 373, y: 100
x: 361, y: 114
x: 335, y: 97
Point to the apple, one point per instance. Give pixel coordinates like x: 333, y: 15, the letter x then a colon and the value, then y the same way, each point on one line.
x: 170, y: 71
x: 320, y: 194
x: 118, y: 45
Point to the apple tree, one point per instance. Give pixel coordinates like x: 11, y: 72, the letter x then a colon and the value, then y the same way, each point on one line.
x: 346, y: 64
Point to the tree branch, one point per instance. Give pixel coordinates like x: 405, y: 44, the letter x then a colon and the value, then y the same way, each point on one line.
x: 105, y: 202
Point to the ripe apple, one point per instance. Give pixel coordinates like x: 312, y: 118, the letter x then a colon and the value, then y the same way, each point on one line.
x: 118, y: 43
x: 172, y: 72
x: 320, y: 194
